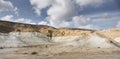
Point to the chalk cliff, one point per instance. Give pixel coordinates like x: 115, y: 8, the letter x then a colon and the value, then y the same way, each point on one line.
x: 18, y: 35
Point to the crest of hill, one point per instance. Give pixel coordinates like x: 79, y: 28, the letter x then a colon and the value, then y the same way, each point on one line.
x: 6, y: 27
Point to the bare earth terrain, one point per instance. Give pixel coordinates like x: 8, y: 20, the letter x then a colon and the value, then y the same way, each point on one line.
x: 26, y: 41
x: 59, y: 52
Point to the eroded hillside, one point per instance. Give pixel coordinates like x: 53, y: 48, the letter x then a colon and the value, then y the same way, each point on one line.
x: 6, y: 27
x: 18, y: 35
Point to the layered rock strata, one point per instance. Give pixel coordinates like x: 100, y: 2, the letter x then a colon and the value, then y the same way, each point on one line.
x: 19, y: 35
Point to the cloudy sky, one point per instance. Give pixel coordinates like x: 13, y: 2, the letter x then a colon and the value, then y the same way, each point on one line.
x: 90, y: 14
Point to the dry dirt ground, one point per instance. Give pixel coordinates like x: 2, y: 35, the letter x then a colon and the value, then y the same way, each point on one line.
x: 59, y: 52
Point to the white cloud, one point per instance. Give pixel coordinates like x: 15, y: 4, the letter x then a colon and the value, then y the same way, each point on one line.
x: 16, y: 11
x: 90, y: 26
x: 42, y: 23
x: 21, y: 20
x: 84, y: 22
x: 7, y: 6
x: 89, y: 2
x: 61, y: 10
x: 58, y: 23
x: 81, y: 21
x: 7, y: 18
x: 38, y: 5
x: 106, y: 19
x: 66, y: 24
x: 118, y: 24
x: 60, y: 5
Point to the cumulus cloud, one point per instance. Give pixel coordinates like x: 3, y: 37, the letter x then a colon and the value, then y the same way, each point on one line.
x: 21, y: 20
x: 7, y: 18
x: 60, y: 11
x: 60, y: 5
x: 81, y: 21
x: 7, y: 6
x: 38, y: 5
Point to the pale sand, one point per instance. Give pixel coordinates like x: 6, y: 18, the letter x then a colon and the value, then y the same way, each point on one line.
x: 59, y: 52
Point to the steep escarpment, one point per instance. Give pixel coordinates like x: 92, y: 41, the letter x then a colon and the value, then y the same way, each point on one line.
x: 18, y: 35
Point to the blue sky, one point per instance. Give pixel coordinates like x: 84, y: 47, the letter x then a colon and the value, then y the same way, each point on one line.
x: 91, y: 14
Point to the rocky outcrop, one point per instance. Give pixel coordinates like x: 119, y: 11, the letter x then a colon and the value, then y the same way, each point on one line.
x: 6, y: 27
x: 19, y: 34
